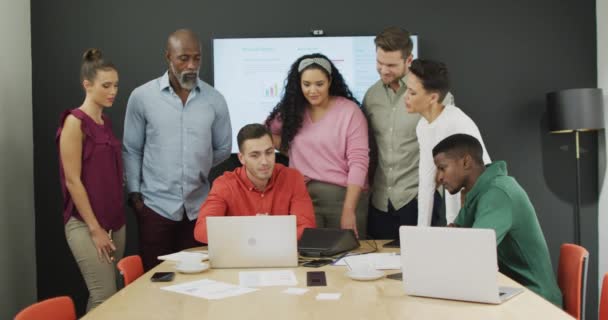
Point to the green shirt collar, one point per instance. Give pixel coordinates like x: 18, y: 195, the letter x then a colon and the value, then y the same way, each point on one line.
x: 493, y: 170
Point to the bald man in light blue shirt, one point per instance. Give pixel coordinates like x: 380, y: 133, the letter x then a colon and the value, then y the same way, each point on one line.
x: 177, y: 128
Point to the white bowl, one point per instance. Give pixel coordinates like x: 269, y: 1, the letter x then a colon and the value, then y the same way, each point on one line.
x: 194, y: 268
x: 367, y: 276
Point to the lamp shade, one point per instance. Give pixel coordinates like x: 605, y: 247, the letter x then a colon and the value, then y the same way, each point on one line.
x: 575, y: 110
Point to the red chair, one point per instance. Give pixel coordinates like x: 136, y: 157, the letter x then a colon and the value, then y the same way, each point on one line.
x: 604, y: 299
x: 59, y: 308
x: 131, y: 268
x: 572, y: 278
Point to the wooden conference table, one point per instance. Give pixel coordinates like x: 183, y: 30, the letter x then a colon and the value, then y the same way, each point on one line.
x: 379, y: 299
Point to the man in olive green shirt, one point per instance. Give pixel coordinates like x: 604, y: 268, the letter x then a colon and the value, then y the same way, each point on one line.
x: 393, y: 141
x: 496, y: 201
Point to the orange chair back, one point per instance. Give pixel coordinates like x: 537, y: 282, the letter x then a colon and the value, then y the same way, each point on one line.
x: 131, y: 268
x: 59, y: 308
x: 572, y: 278
x: 604, y: 299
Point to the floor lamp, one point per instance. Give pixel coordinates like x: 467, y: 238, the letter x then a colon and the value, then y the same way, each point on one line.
x: 576, y: 110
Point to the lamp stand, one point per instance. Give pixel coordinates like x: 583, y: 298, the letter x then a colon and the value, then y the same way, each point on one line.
x: 577, y: 207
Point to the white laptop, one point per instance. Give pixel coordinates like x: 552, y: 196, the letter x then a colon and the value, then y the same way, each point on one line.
x: 452, y: 263
x: 252, y: 241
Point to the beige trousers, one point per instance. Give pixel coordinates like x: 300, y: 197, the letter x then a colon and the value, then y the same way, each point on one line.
x: 99, y: 276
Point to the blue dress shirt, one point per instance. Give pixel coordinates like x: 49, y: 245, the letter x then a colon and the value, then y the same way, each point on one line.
x: 169, y: 148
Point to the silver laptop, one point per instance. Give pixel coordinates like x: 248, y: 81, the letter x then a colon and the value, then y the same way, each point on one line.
x: 252, y: 241
x: 452, y: 263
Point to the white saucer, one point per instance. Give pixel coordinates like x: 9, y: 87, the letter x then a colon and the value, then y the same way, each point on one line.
x: 192, y: 269
x: 371, y: 275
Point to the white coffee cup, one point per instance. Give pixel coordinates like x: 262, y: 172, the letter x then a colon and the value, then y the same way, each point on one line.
x: 363, y: 268
x: 190, y: 261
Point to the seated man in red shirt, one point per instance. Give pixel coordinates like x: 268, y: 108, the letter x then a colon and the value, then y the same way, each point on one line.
x: 258, y: 187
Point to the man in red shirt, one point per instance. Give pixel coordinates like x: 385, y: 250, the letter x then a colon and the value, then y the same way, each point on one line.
x: 258, y: 187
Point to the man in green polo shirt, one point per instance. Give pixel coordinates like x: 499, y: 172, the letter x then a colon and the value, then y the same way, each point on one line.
x: 496, y: 201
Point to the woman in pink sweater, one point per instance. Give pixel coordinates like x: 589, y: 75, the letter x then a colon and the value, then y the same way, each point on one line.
x: 319, y: 124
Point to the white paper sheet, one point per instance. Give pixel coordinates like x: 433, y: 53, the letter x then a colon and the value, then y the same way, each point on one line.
x: 209, y: 289
x: 328, y: 296
x: 295, y: 291
x: 267, y: 278
x: 182, y: 255
x: 381, y: 261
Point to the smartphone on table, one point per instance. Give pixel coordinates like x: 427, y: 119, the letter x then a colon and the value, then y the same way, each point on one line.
x: 162, y: 276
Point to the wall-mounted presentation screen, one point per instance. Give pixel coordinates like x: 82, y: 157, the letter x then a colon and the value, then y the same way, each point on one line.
x: 250, y: 72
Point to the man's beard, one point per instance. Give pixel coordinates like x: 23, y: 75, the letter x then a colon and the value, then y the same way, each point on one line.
x: 187, y: 79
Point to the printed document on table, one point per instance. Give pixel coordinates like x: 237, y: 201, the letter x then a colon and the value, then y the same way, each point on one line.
x: 267, y: 278
x: 381, y: 261
x: 209, y: 289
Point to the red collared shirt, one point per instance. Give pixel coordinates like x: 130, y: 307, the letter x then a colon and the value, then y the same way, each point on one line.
x: 233, y: 194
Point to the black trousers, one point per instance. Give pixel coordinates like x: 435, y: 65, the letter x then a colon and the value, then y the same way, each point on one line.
x: 385, y: 225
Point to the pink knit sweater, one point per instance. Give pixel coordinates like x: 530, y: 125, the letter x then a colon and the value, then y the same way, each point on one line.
x: 334, y: 149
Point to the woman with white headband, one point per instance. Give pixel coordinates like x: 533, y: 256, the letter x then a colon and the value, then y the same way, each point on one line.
x: 319, y: 124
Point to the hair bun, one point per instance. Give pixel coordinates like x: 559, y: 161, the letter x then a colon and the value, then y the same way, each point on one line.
x: 92, y: 55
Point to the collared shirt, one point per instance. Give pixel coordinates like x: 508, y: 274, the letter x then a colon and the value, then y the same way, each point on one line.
x: 394, y: 136
x: 498, y: 202
x: 169, y: 147
x: 233, y: 194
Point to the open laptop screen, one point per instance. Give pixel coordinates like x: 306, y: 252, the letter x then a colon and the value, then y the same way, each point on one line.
x: 252, y: 241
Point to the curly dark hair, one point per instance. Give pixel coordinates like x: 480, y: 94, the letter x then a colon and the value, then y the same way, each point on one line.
x: 290, y: 109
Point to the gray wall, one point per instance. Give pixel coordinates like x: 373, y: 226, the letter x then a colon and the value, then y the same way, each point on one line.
x: 17, y: 257
x: 504, y: 57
